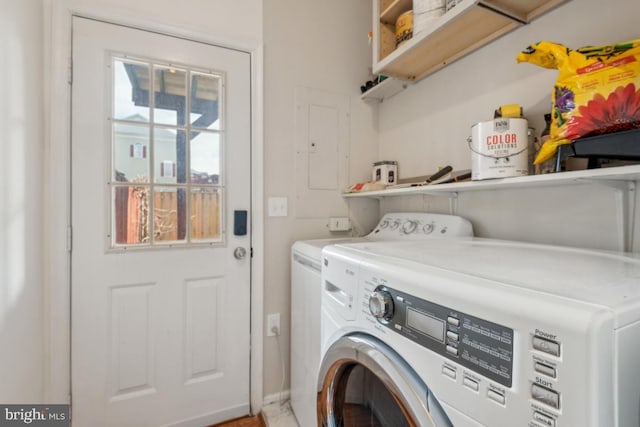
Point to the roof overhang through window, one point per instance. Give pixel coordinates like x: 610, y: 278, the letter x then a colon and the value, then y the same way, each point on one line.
x: 169, y: 93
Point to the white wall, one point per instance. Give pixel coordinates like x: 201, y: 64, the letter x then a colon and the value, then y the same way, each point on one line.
x: 21, y: 216
x: 25, y: 190
x: 236, y: 22
x: 320, y: 45
x: 426, y: 126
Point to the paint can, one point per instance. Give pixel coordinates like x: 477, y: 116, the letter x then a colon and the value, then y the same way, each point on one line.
x: 426, y: 13
x: 499, y: 148
x: 422, y: 6
x: 404, y: 27
x: 385, y: 172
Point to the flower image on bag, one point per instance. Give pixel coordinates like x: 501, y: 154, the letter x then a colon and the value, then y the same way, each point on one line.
x: 597, y: 90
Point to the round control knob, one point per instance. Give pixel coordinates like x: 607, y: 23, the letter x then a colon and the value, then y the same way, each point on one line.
x: 428, y: 228
x: 384, y: 224
x: 395, y: 225
x: 409, y: 227
x: 381, y: 305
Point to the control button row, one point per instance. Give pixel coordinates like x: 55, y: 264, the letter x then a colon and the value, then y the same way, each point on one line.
x: 452, y: 336
x: 471, y: 383
x: 545, y: 369
x: 409, y: 226
x: 449, y: 372
x: 546, y: 346
x: 543, y: 419
x: 452, y: 350
x: 453, y: 321
x: 474, y: 385
x: 546, y: 396
x: 496, y: 396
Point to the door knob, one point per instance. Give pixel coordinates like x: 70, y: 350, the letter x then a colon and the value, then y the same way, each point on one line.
x: 240, y: 252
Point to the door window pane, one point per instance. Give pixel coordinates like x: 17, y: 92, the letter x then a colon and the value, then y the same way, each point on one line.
x: 205, y: 158
x: 205, y: 99
x: 170, y: 157
x: 130, y: 91
x: 131, y: 215
x: 170, y: 90
x: 131, y: 153
x: 169, y: 211
x: 205, y: 214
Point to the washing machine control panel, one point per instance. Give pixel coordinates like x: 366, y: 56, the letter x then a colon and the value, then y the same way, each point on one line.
x: 420, y: 225
x: 477, y: 344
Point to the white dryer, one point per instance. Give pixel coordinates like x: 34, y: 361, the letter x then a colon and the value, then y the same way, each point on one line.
x: 306, y: 258
x: 478, y: 332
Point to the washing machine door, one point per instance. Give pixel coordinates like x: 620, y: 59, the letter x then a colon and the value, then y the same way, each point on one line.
x: 364, y: 382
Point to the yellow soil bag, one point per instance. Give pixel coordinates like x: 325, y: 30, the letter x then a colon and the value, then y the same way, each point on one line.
x: 597, y: 90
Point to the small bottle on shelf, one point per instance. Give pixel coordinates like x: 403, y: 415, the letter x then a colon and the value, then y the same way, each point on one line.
x: 550, y: 165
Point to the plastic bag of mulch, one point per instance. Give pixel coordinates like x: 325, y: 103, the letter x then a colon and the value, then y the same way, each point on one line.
x: 597, y: 90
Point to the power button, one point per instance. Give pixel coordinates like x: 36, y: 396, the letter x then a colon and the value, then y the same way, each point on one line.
x: 547, y: 346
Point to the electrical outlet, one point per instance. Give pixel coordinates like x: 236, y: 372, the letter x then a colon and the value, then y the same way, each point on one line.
x: 273, y: 325
x: 339, y: 224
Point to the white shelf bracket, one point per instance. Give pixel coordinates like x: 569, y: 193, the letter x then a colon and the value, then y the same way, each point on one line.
x: 625, y: 192
x: 453, y: 203
x: 627, y: 213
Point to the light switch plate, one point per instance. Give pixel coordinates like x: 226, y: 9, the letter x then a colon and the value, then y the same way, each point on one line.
x: 278, y: 206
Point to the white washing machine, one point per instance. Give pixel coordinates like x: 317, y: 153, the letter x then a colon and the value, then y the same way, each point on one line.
x: 306, y: 257
x: 476, y: 332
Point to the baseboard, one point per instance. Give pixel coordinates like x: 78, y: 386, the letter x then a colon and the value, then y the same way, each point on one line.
x: 276, y: 398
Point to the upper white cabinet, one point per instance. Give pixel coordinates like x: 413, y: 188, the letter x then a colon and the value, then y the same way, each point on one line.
x: 468, y: 26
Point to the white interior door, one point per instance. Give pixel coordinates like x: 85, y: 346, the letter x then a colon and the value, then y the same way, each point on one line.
x: 160, y: 304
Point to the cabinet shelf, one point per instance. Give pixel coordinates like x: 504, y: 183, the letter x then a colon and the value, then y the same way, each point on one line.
x: 391, y: 13
x: 470, y: 25
x: 618, y: 177
x: 384, y: 90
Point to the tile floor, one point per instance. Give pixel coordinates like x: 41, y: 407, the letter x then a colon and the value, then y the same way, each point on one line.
x: 273, y: 415
x: 279, y: 415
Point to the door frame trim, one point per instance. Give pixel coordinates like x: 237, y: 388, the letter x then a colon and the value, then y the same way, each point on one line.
x: 57, y: 199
